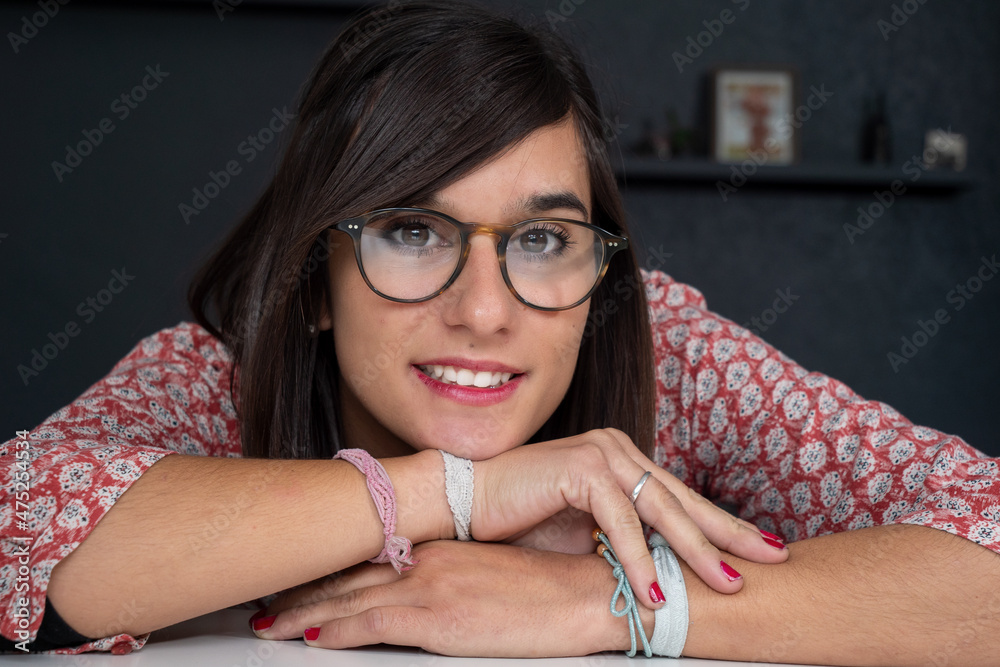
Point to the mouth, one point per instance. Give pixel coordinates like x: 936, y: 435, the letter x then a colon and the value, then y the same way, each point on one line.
x: 465, y: 377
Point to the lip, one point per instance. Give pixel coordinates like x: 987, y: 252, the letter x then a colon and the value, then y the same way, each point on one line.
x: 471, y: 396
x: 472, y: 364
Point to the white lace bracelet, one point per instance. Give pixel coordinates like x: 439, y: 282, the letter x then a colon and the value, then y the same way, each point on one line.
x: 459, y: 485
x: 671, y: 625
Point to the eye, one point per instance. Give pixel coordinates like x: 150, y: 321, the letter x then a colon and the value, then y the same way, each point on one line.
x: 538, y: 240
x: 543, y: 241
x: 413, y: 234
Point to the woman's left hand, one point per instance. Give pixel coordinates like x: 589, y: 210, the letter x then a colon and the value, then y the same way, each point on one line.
x: 462, y: 598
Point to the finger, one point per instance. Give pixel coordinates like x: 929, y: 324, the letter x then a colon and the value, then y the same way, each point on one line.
x: 661, y: 508
x: 731, y: 533
x: 401, y: 626
x: 292, y: 622
x: 618, y: 519
x: 338, y: 583
x: 721, y: 528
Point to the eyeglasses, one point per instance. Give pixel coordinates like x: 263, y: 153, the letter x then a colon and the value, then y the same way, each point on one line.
x: 410, y: 255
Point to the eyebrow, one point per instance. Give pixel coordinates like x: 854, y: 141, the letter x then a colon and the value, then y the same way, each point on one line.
x: 531, y: 205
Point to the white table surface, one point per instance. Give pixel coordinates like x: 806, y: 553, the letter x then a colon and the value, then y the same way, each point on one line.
x: 223, y: 638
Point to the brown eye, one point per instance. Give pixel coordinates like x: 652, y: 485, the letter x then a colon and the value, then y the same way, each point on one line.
x: 535, y: 241
x: 415, y: 235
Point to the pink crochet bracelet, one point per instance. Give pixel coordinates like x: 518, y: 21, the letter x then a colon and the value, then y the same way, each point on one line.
x: 396, y: 549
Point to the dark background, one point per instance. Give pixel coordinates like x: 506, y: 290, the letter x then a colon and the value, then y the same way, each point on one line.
x: 60, y: 241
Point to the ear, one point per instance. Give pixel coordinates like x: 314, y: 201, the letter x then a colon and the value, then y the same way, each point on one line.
x: 325, y: 322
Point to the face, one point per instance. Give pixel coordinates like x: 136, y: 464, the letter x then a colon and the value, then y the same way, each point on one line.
x: 392, y: 400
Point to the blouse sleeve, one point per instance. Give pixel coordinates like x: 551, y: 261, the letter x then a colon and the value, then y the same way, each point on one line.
x: 169, y: 394
x: 798, y: 453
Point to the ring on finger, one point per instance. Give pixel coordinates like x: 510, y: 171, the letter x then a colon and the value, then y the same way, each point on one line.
x: 638, y: 487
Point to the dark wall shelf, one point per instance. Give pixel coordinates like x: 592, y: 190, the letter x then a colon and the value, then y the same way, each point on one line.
x: 651, y: 171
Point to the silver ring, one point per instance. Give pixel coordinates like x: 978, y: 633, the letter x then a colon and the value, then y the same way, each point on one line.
x: 638, y: 487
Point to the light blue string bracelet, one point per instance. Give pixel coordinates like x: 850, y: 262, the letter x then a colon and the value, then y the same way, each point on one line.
x: 624, y: 589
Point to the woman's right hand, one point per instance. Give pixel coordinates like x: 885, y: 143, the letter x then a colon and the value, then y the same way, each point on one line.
x: 596, y: 472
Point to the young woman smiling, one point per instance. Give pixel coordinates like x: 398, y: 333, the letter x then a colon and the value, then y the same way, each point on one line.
x: 441, y: 263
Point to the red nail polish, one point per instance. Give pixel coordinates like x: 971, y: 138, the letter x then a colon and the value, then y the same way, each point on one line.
x: 257, y: 614
x: 655, y: 594
x: 311, y: 634
x: 728, y: 570
x: 774, y: 543
x: 263, y: 623
x: 770, y: 535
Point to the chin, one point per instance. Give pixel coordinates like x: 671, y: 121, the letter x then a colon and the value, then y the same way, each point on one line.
x: 475, y: 444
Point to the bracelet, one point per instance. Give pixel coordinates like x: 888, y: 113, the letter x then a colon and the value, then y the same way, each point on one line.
x: 624, y: 589
x: 670, y: 629
x: 396, y: 550
x: 459, y: 486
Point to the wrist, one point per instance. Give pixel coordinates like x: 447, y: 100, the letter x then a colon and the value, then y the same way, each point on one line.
x: 422, y: 506
x: 613, y: 630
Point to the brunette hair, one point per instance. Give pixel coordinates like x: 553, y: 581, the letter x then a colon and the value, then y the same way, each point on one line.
x: 408, y: 99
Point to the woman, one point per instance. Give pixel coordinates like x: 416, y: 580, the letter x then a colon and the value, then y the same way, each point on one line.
x: 345, y: 325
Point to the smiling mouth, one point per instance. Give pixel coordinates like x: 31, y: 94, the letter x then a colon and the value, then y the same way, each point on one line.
x: 465, y: 377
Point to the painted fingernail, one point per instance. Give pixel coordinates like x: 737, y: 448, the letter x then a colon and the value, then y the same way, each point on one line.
x: 257, y: 614
x: 655, y: 594
x: 311, y: 634
x: 263, y: 623
x: 728, y: 570
x: 770, y: 535
x: 774, y: 543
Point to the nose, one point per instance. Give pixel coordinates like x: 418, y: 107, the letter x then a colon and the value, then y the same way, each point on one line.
x: 479, y: 299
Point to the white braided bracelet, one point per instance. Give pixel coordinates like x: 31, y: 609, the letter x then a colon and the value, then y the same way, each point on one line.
x: 459, y: 486
x: 671, y: 625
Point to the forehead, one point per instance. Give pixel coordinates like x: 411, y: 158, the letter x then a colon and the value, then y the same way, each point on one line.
x: 546, y: 172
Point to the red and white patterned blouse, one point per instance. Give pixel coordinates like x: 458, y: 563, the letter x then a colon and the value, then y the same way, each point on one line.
x: 798, y: 453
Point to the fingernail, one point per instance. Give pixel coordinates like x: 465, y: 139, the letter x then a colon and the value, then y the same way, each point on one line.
x: 728, y: 570
x: 770, y: 535
x: 263, y: 623
x: 311, y: 634
x: 774, y: 543
x: 655, y: 594
x: 257, y: 614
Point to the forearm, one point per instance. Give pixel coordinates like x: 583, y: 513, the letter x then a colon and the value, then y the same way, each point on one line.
x: 893, y: 595
x: 195, y: 534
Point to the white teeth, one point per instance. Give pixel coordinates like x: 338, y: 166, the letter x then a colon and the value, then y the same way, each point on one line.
x: 466, y: 377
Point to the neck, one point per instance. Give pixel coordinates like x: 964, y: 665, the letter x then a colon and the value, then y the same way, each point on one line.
x: 363, y: 431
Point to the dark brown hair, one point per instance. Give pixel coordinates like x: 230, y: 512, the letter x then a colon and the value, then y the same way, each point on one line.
x: 408, y: 99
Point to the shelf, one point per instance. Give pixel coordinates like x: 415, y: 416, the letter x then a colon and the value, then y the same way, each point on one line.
x: 651, y: 171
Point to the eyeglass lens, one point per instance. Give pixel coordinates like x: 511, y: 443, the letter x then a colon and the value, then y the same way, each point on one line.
x: 550, y: 263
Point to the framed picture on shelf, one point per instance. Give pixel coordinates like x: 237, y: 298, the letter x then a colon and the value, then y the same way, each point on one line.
x: 753, y: 115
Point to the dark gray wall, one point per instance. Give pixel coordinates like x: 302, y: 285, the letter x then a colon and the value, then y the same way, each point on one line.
x: 119, y: 207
